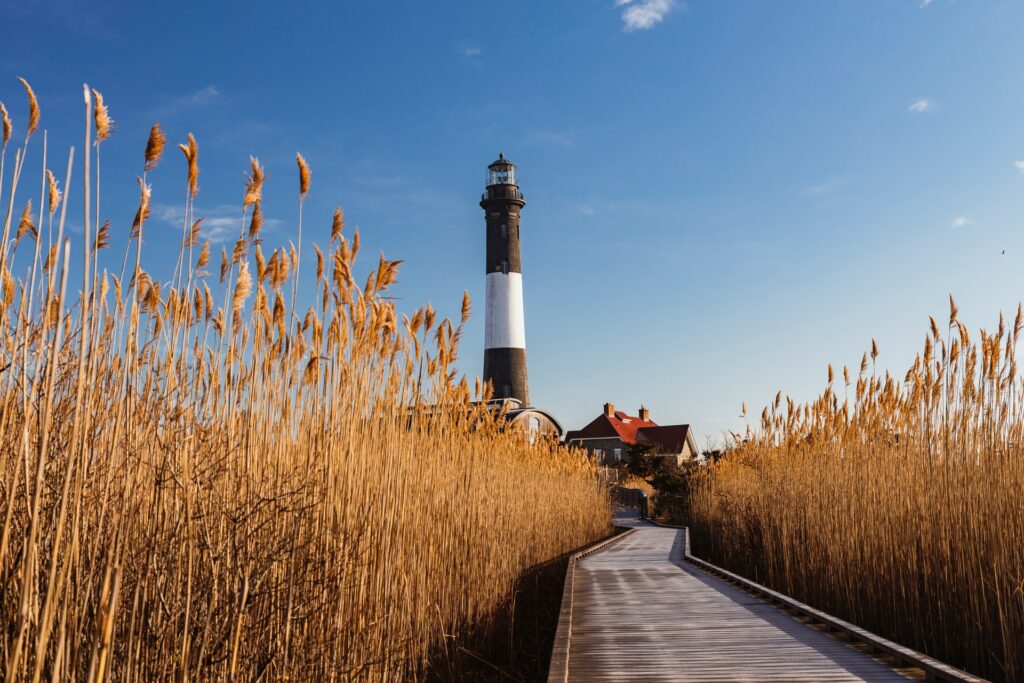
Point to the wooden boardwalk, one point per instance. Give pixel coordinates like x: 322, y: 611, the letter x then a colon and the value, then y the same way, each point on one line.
x: 639, y: 613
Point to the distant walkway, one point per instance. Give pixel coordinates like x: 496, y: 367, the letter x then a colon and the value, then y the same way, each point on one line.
x: 639, y: 613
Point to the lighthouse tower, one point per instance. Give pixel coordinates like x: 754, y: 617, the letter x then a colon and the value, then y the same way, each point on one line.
x: 505, y: 335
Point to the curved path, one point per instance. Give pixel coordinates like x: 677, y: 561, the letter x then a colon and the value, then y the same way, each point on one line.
x: 639, y: 613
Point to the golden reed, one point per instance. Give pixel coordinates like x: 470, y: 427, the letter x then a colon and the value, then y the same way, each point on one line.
x: 894, y: 503
x: 198, y: 482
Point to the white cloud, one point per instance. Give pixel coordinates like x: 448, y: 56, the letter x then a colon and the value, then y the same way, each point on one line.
x: 925, y: 3
x: 199, y: 98
x: 220, y: 223
x: 470, y: 52
x: 641, y: 15
x: 1019, y: 165
x: 962, y: 222
x: 204, y: 95
x: 921, y: 106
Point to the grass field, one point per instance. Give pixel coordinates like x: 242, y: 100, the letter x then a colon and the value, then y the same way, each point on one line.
x: 896, y: 503
x: 202, y: 480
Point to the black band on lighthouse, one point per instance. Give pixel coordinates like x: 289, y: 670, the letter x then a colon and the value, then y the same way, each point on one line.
x: 505, y: 369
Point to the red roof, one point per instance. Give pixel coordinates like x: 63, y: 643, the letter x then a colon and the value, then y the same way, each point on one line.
x: 618, y: 425
x: 632, y: 430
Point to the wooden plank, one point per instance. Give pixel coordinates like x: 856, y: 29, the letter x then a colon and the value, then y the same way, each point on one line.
x: 558, y: 669
x: 639, y: 613
x: 933, y: 668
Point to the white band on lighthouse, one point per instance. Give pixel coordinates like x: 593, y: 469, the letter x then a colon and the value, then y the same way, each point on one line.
x: 504, y: 324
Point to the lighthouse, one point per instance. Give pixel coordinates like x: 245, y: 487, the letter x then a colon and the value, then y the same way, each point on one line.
x: 505, y: 329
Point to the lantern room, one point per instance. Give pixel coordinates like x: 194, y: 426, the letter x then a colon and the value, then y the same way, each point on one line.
x: 501, y: 172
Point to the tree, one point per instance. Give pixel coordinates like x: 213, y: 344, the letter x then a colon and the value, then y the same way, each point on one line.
x: 640, y: 460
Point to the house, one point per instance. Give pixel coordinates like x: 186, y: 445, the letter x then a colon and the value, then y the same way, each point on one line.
x: 610, y: 435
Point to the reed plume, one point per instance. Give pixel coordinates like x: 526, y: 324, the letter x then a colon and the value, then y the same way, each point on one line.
x: 142, y: 213
x: 102, y: 237
x: 8, y: 128
x: 191, y: 152
x: 154, y: 146
x: 337, y: 224
x: 25, y: 225
x: 104, y: 124
x: 204, y: 255
x: 304, y: 175
x: 53, y: 192
x: 33, y: 109
x: 254, y: 184
x: 255, y: 222
x: 242, y: 289
x: 193, y: 233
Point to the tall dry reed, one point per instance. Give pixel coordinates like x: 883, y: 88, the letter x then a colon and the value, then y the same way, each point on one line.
x: 199, y: 483
x: 895, y: 503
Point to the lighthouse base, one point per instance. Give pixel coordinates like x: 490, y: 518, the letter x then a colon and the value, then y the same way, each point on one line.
x: 505, y: 369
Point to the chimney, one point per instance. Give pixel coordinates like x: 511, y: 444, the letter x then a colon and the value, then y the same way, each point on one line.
x: 645, y: 414
x: 609, y: 409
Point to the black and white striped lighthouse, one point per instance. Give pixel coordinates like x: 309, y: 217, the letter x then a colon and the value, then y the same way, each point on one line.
x: 505, y: 330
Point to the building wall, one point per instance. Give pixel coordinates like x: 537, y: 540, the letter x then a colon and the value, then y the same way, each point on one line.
x: 679, y: 458
x: 605, y: 446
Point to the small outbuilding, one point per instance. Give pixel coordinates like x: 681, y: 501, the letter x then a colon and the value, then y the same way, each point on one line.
x: 533, y: 422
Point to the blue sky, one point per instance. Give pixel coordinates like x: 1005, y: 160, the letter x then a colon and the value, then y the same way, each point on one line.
x: 723, y: 195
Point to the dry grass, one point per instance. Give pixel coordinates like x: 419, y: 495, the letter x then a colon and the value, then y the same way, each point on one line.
x: 894, y: 503
x: 631, y: 481
x: 201, y: 483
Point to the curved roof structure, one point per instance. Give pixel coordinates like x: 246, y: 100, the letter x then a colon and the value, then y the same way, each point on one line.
x: 521, y: 413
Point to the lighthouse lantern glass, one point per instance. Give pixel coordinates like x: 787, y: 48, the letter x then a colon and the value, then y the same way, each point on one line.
x: 502, y: 175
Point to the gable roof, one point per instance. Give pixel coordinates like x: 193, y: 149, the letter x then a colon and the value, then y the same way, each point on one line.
x: 618, y: 425
x: 667, y: 439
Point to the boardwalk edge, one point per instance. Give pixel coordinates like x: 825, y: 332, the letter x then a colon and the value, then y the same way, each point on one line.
x: 934, y: 669
x: 558, y: 670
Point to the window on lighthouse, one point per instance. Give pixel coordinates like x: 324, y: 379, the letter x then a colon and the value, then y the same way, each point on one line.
x: 504, y: 230
x: 504, y: 267
x: 501, y: 176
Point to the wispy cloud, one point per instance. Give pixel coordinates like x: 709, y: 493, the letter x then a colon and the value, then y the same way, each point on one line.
x: 203, y: 95
x: 963, y: 222
x: 921, y: 106
x: 640, y: 15
x: 1019, y: 165
x: 470, y: 52
x: 199, y: 98
x: 220, y: 223
x: 925, y: 3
